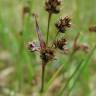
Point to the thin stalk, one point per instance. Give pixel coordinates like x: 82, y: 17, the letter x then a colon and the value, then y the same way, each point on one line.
x: 55, y: 39
x: 43, y: 76
x: 49, y: 19
x: 56, y: 35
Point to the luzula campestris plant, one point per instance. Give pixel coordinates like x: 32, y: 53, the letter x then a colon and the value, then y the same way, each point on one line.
x: 46, y: 52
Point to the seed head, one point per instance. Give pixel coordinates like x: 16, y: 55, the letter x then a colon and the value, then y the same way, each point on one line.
x: 46, y: 55
x: 63, y: 23
x: 52, y: 6
x: 60, y: 43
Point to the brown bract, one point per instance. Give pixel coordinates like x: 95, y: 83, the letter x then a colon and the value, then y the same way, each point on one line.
x: 52, y: 6
x: 63, y: 23
x: 47, y: 54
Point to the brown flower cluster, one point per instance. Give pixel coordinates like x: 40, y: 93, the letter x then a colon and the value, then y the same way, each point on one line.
x: 46, y: 54
x: 63, y: 23
x: 52, y: 6
x: 60, y: 44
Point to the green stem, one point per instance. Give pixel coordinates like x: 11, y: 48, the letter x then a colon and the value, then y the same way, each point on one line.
x: 43, y: 75
x: 49, y: 19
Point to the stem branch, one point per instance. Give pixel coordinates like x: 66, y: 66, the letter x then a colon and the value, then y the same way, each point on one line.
x: 49, y: 19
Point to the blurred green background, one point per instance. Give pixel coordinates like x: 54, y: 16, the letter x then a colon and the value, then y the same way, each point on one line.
x: 20, y: 70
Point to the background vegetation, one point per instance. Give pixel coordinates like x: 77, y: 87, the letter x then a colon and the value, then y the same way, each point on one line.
x: 20, y: 70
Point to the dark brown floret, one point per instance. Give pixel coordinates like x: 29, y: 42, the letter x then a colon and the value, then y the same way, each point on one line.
x: 52, y: 6
x: 60, y: 43
x: 63, y: 24
x: 47, y: 55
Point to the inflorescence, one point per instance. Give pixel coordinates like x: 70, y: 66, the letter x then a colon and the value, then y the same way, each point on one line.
x: 47, y: 52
